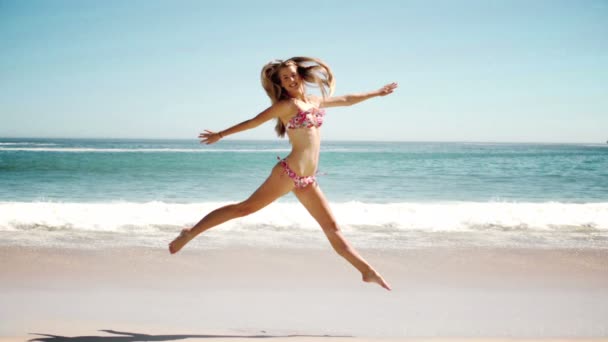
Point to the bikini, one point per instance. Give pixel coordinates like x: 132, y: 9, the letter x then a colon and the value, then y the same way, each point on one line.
x: 310, y: 118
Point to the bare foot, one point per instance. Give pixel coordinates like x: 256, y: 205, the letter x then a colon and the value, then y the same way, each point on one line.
x: 180, y: 241
x: 374, y: 277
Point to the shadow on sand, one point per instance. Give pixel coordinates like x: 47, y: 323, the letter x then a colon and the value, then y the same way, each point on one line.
x: 132, y: 337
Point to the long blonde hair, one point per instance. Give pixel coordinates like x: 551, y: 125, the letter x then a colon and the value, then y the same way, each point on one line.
x: 311, y: 70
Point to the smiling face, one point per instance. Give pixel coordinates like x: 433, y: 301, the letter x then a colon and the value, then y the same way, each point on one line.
x: 291, y: 80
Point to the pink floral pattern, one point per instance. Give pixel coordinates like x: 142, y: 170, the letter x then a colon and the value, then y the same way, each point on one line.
x: 307, y: 119
x: 298, y: 181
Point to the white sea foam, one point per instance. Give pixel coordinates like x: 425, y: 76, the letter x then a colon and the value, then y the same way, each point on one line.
x: 136, y: 150
x: 284, y: 223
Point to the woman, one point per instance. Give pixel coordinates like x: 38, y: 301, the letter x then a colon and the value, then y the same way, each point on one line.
x: 300, y: 116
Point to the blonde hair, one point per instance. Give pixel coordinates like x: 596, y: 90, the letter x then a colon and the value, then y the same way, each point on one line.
x: 311, y: 70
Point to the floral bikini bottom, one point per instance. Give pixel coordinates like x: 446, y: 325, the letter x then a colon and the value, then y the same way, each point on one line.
x: 299, y: 181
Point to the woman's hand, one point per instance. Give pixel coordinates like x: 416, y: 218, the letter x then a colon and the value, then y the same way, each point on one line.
x: 387, y: 89
x: 209, y: 137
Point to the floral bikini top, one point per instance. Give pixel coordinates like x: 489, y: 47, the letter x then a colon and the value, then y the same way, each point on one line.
x: 309, y: 118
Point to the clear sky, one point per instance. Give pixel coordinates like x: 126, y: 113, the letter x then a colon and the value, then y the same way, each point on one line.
x: 512, y: 71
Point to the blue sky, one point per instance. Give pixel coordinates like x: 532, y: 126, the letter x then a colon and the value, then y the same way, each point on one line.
x: 513, y: 71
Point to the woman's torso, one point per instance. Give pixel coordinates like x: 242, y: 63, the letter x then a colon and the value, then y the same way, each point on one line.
x: 303, y: 129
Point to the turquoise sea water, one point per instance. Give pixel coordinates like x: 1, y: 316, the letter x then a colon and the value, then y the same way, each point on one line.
x: 380, y: 191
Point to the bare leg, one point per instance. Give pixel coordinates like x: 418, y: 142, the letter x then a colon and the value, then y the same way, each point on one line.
x: 275, y: 186
x: 313, y: 199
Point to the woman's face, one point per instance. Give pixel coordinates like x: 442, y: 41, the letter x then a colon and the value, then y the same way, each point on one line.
x: 290, y: 79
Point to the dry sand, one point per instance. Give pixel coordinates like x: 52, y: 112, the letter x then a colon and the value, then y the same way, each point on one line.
x: 239, y: 294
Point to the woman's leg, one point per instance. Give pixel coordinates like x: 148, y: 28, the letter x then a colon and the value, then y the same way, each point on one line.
x: 313, y: 199
x: 275, y: 186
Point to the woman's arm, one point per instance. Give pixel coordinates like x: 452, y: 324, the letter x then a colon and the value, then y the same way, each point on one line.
x: 351, y: 99
x: 274, y: 111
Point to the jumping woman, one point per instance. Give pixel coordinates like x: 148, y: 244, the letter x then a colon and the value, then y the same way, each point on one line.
x: 300, y: 116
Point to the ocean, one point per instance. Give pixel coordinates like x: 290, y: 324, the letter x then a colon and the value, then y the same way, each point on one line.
x: 103, y: 193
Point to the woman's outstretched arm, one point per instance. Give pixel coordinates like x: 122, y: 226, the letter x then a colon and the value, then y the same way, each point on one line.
x: 351, y: 99
x: 274, y: 111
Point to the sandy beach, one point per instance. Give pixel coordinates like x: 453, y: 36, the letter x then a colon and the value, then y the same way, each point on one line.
x: 459, y: 146
x: 301, y: 294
